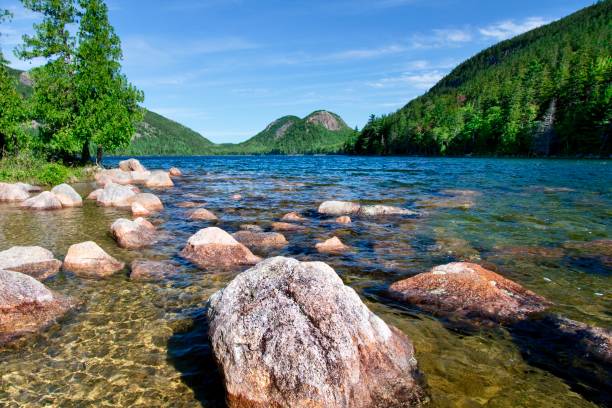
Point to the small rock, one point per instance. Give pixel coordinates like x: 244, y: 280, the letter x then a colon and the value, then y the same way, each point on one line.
x: 380, y: 210
x: 131, y: 165
x: 144, y: 270
x: 189, y: 204
x: 43, y: 202
x: 291, y: 334
x: 174, y: 172
x: 292, y: 216
x: 67, y: 196
x: 212, y: 247
x: 133, y: 234
x: 138, y: 210
x: 27, y: 306
x: 202, y: 214
x: 34, y: 261
x: 339, y: 208
x: 88, y: 260
x: 343, y: 219
x: 251, y: 227
x: 332, y: 245
x: 236, y: 197
x: 285, y: 226
x: 260, y: 240
x: 159, y: 179
x: 13, y: 193
x: 468, y: 290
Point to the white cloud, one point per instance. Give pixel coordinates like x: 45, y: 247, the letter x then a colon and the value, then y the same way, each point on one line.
x: 509, y: 28
x: 421, y: 81
x: 366, y: 52
x: 444, y: 37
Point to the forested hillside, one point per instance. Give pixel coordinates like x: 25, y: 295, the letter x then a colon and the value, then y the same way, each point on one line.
x: 545, y: 92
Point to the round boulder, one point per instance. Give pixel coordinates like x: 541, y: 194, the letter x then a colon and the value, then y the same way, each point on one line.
x: 149, y: 201
x: 292, y: 216
x: 290, y: 334
x: 159, y: 179
x: 202, y: 214
x: 13, y: 193
x: 343, y: 219
x: 339, y: 208
x: 174, y: 172
x: 213, y: 247
x: 43, y: 202
x: 131, y: 165
x: 88, y: 260
x: 115, y: 195
x: 67, y: 196
x: 133, y: 234
x: 35, y: 261
x: 332, y: 245
x: 470, y: 291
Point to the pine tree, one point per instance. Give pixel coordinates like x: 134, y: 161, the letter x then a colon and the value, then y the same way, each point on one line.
x: 108, y: 104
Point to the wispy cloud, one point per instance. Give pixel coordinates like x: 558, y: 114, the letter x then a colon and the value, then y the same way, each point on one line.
x: 509, y: 28
x: 421, y: 81
x: 440, y: 38
x: 365, y: 53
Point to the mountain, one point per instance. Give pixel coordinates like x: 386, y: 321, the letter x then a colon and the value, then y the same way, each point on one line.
x: 319, y: 132
x: 545, y: 92
x: 155, y: 135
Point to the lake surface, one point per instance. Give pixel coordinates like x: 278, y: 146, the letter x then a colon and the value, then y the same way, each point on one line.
x: 144, y: 344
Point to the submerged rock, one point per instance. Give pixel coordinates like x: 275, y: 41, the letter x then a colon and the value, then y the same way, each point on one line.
x: 13, y: 193
x: 339, y: 208
x: 292, y: 216
x: 189, y: 204
x: 159, y: 179
x: 344, y: 219
x: 468, y: 290
x: 174, y: 172
x: 380, y: 210
x: 251, y: 227
x: 133, y: 234
x: 286, y: 226
x: 145, y: 270
x: 67, y: 196
x: 236, y: 197
x: 332, y: 245
x: 43, y: 202
x: 260, y: 240
x: 290, y: 334
x: 202, y: 214
x: 131, y: 165
x: 88, y: 260
x: 213, y: 247
x: 27, y: 306
x: 34, y: 261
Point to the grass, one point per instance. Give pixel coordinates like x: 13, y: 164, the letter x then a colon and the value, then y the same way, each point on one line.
x: 26, y: 167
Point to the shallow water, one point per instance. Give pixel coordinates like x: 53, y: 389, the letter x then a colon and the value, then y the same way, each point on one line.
x: 144, y: 344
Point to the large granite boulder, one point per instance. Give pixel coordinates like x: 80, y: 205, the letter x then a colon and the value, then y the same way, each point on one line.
x: 67, y: 196
x: 27, y: 306
x: 213, y: 247
x: 290, y: 334
x: 115, y: 195
x: 260, y: 240
x: 35, y: 261
x: 131, y: 165
x: 13, y: 193
x: 133, y: 234
x: 159, y: 179
x: 468, y: 290
x: 88, y: 260
x: 43, y: 202
x: 339, y: 208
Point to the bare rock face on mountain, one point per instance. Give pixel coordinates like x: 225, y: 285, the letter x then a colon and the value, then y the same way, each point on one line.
x: 468, y: 290
x: 34, y: 261
x: 88, y: 260
x: 13, y: 193
x: 43, y: 202
x: 27, y: 306
x: 260, y: 240
x: 325, y: 119
x: 67, y: 196
x: 290, y: 334
x: 133, y: 234
x: 213, y: 247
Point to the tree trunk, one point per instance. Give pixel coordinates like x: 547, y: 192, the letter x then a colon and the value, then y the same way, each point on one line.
x: 85, y: 154
x: 99, y: 154
x: 2, y: 144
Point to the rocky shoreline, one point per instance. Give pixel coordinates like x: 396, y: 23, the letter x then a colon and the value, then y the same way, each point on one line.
x: 284, y: 332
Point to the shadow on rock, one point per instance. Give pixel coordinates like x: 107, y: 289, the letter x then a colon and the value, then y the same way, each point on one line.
x: 571, y: 350
x: 190, y: 352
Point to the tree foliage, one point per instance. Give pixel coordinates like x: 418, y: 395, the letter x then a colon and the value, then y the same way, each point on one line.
x: 548, y: 91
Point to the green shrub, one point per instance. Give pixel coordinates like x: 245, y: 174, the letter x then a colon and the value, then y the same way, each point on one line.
x: 52, y: 174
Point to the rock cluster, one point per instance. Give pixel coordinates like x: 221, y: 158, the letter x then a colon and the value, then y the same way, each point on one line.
x: 61, y: 196
x: 13, y: 193
x: 131, y: 171
x: 338, y: 208
x: 291, y: 334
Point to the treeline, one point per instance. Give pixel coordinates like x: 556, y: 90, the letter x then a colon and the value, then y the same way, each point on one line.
x: 80, y: 100
x: 545, y: 92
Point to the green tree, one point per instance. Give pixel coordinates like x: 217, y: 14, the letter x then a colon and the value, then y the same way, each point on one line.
x: 54, y: 100
x: 12, y: 107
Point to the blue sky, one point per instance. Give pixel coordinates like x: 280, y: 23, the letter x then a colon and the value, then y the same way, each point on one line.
x: 226, y: 68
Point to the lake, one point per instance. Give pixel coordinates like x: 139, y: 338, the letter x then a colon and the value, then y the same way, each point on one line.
x: 145, y: 344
